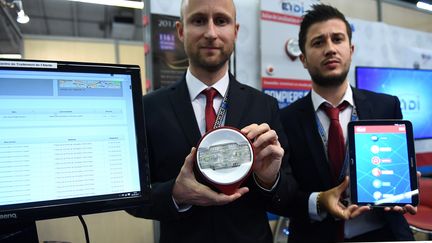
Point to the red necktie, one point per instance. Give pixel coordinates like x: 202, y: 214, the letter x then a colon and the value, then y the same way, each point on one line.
x: 210, y: 114
x: 336, y: 152
x: 335, y: 141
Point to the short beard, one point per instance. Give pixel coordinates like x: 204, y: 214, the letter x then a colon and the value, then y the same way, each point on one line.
x: 329, y: 81
x: 210, y: 67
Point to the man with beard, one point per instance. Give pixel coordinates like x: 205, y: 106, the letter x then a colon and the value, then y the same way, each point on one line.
x: 325, y: 42
x: 189, y: 211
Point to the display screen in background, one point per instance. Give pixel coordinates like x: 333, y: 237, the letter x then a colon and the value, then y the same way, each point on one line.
x: 411, y: 86
x: 382, y: 163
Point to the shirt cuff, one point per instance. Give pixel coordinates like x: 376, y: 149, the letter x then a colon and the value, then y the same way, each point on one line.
x: 183, y: 208
x: 313, y: 211
x: 265, y: 189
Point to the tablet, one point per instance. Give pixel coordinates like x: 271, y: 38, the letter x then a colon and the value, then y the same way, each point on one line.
x: 382, y: 163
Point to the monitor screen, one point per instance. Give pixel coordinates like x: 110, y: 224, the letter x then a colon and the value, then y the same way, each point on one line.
x: 411, y: 86
x: 72, y: 139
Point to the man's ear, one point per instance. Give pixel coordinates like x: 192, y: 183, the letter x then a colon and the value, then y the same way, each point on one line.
x: 303, y: 60
x: 237, y: 27
x: 180, y: 29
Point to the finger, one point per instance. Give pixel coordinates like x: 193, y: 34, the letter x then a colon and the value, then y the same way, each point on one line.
x: 398, y: 209
x: 271, y: 151
x: 240, y: 192
x: 255, y: 130
x: 343, y: 213
x: 249, y: 128
x: 349, y: 211
x: 221, y: 199
x: 359, y: 210
x: 269, y: 137
x: 410, y: 209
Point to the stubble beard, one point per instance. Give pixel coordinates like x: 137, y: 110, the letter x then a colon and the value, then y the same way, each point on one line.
x: 329, y: 81
x: 199, y: 60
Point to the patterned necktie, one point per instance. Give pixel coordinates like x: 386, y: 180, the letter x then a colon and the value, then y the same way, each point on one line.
x: 210, y: 114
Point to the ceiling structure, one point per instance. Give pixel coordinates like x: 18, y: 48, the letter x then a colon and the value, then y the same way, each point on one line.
x: 69, y: 19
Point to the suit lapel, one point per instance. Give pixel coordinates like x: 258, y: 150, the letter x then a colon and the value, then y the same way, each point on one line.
x: 237, y: 101
x: 315, y: 145
x: 182, y: 106
x: 363, y: 106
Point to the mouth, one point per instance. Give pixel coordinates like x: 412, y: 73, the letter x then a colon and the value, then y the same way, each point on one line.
x: 331, y: 63
x: 210, y: 48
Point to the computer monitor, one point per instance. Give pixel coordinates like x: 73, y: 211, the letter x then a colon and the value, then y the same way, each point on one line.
x: 411, y: 86
x: 72, y: 139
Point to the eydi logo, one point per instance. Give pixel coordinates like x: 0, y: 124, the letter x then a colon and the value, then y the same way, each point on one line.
x: 295, y: 7
x: 409, y: 102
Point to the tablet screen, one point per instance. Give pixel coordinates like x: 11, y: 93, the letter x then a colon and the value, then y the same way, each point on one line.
x: 382, y: 163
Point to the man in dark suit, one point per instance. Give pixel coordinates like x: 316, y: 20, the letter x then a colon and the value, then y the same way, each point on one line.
x: 325, y: 42
x: 189, y: 211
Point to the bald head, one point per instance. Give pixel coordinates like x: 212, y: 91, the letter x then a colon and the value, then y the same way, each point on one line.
x: 185, y: 4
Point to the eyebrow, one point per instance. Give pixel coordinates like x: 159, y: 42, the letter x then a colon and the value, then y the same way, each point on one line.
x: 325, y: 34
x: 215, y: 14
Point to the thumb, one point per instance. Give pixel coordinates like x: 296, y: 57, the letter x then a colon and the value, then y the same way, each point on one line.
x: 343, y: 186
x: 189, y: 160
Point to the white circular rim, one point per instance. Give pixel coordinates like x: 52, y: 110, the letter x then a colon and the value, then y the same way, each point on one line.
x: 225, y: 138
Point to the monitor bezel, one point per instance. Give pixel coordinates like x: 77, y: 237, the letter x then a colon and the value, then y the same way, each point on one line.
x: 88, y: 205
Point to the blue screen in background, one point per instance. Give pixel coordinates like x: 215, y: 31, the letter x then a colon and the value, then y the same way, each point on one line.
x: 412, y: 87
x: 382, y: 166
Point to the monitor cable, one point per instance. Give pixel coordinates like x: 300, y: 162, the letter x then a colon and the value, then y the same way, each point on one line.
x: 85, y: 228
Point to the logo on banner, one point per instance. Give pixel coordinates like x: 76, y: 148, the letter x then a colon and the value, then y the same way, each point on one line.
x: 426, y: 58
x: 293, y: 7
x: 409, y: 102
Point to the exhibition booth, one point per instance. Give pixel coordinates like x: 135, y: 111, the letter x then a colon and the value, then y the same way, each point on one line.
x: 98, y: 84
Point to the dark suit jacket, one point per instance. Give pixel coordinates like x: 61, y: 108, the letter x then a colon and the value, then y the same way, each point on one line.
x: 312, y: 170
x: 172, y: 131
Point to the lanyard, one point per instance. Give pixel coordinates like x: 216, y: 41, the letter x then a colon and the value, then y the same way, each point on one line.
x: 222, y: 110
x: 354, y: 117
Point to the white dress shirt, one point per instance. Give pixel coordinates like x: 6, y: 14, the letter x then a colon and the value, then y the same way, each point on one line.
x: 198, y: 99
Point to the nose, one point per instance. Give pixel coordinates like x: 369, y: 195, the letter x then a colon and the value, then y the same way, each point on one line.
x: 329, y: 48
x: 211, y: 30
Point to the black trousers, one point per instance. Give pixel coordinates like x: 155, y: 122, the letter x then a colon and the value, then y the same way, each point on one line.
x: 383, y: 234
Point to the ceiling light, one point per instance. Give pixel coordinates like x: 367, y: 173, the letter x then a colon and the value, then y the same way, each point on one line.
x: 22, y: 18
x: 117, y: 3
x: 11, y: 56
x: 424, y: 5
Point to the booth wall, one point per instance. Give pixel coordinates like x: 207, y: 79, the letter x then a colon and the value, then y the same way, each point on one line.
x: 85, y: 50
x: 407, y: 18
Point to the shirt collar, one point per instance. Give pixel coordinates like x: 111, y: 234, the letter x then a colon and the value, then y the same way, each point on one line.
x: 195, y: 86
x: 317, y: 100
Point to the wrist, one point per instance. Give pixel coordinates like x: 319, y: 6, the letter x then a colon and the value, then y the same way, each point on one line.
x: 267, y: 184
x: 177, y: 194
